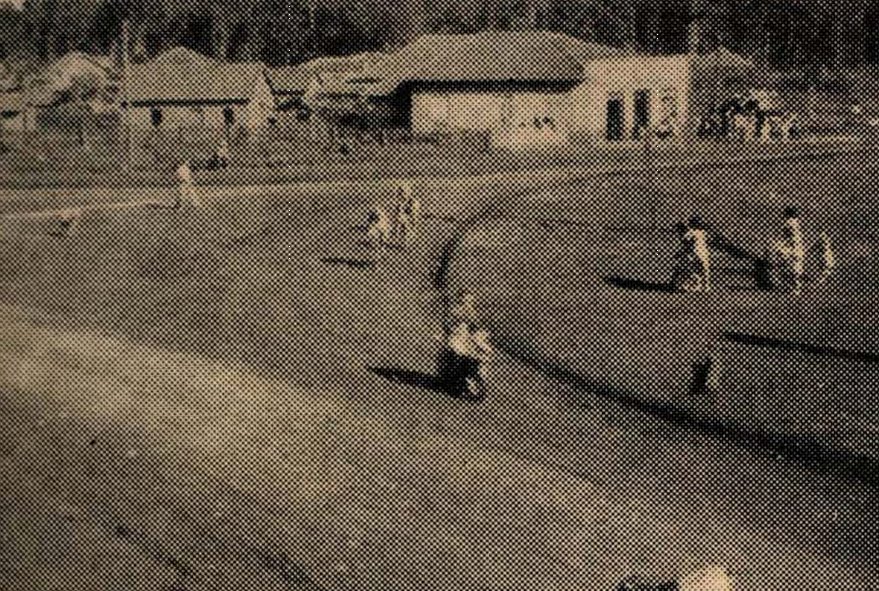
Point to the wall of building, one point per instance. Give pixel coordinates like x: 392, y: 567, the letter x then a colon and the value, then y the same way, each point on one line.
x: 520, y: 117
x: 666, y: 78
x: 514, y: 118
x: 454, y: 111
x: 251, y: 115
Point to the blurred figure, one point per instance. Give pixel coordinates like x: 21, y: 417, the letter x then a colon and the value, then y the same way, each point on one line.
x: 378, y: 229
x: 789, y: 253
x: 407, y: 215
x: 828, y: 258
x: 221, y: 155
x: 186, y: 190
x: 462, y: 309
x: 463, y: 361
x: 693, y: 260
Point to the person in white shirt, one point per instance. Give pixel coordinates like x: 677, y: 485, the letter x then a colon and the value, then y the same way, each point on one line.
x: 378, y: 229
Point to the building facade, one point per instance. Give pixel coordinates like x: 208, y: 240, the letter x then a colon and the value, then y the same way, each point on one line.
x: 181, y: 89
x: 537, y: 88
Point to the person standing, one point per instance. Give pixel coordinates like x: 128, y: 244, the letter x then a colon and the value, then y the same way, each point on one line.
x: 792, y: 251
x: 462, y: 310
x: 407, y: 212
x: 411, y: 205
x: 693, y: 267
x: 378, y: 229
x: 828, y: 258
x: 222, y: 153
x: 186, y: 189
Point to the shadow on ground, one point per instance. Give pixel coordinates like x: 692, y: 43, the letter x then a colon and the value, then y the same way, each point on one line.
x: 411, y: 378
x: 638, y: 284
x: 348, y: 262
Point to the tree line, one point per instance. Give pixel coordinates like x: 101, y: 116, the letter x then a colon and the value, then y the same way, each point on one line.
x: 784, y: 33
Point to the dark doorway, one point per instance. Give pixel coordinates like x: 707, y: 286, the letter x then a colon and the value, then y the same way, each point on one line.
x: 229, y: 116
x: 615, y: 119
x: 642, y: 113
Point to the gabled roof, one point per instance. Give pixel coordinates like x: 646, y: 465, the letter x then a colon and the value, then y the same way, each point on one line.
x: 184, y: 76
x: 491, y: 56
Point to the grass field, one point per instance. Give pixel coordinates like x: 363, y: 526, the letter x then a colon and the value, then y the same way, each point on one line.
x: 260, y: 396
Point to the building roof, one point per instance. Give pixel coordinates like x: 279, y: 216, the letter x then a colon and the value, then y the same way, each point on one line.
x: 491, y: 56
x: 294, y: 80
x: 721, y: 59
x: 183, y: 76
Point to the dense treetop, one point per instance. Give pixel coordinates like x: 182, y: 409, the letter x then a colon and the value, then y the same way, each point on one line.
x: 785, y: 33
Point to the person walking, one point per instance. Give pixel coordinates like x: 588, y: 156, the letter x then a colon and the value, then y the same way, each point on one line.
x: 378, y: 229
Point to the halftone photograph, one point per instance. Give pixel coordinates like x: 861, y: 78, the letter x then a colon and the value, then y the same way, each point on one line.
x: 497, y: 295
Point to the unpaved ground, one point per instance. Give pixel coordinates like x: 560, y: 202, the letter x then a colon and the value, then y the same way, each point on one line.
x: 239, y: 398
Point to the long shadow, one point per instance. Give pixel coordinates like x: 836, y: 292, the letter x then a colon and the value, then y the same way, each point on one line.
x: 804, y: 450
x: 348, y: 262
x: 411, y: 378
x: 760, y: 268
x: 638, y: 284
x: 790, y: 346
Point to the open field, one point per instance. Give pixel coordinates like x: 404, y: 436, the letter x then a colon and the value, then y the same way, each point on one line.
x: 236, y: 396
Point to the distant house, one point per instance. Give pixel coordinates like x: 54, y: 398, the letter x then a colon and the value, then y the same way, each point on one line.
x: 183, y: 89
x: 530, y: 87
x: 75, y: 76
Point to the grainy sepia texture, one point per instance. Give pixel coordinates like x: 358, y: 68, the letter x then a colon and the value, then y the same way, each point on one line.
x: 473, y: 294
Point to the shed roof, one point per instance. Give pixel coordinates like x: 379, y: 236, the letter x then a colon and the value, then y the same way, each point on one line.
x: 184, y: 76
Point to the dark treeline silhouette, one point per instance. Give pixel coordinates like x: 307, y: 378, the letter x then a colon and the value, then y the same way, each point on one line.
x: 787, y: 34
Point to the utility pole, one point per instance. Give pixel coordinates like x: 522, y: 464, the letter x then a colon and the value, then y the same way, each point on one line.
x: 126, y: 114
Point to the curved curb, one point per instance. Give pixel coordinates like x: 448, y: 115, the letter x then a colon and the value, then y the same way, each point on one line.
x: 808, y: 450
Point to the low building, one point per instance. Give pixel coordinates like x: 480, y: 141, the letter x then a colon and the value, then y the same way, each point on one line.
x: 290, y: 84
x: 183, y: 89
x: 532, y: 87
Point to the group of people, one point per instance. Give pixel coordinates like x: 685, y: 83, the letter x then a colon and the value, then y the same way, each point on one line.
x: 747, y: 120
x: 785, y: 257
x: 395, y: 226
